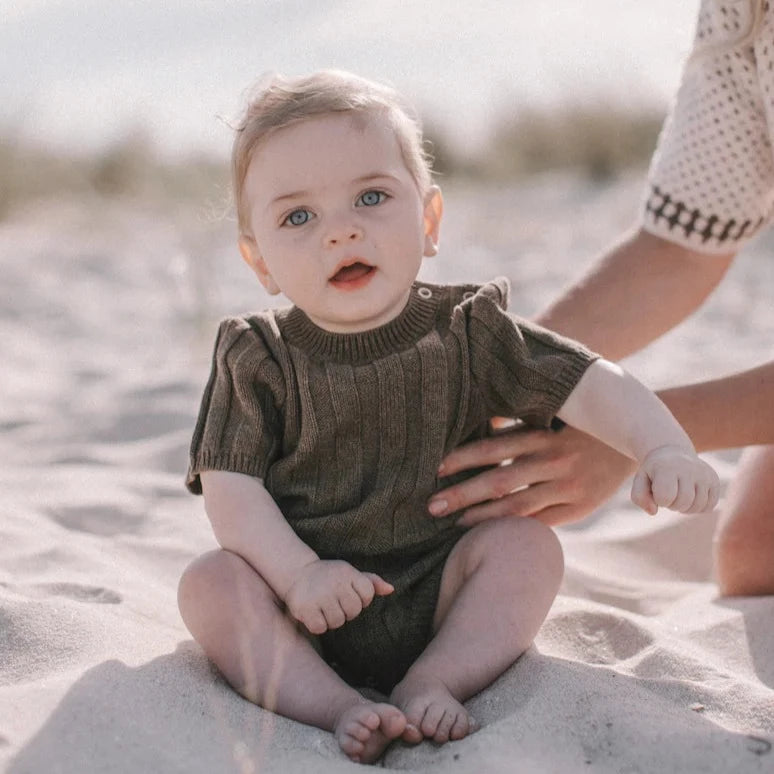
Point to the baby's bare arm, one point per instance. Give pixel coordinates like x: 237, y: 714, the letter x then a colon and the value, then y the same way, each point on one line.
x: 245, y: 519
x: 613, y: 406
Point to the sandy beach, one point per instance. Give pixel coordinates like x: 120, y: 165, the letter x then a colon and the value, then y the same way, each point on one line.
x: 107, y: 318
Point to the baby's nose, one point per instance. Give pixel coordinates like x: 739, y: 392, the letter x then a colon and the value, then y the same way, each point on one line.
x: 343, y: 233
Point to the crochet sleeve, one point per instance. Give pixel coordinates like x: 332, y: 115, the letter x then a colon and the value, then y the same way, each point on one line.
x: 520, y: 369
x: 711, y: 180
x: 238, y: 428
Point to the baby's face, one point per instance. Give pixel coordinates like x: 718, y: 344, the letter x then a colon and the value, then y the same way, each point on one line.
x: 338, y: 223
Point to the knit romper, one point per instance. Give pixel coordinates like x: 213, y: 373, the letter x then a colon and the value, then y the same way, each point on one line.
x: 347, y: 432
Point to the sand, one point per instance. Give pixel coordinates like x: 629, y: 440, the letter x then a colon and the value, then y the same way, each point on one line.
x: 107, y: 314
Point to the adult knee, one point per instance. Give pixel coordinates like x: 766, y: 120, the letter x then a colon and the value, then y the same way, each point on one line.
x: 744, y: 562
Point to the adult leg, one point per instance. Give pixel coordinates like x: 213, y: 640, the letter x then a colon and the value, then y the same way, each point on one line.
x: 241, y: 625
x: 744, y: 540
x: 497, y: 587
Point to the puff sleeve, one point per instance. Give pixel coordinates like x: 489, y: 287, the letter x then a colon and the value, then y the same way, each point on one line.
x: 239, y: 424
x: 520, y: 369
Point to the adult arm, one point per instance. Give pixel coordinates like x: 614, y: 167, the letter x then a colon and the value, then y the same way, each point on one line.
x: 641, y: 288
x: 732, y: 411
x: 710, y: 189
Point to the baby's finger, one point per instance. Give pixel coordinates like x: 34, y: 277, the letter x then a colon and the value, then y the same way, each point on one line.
x: 351, y: 603
x: 335, y: 617
x: 685, y: 500
x: 381, y: 587
x: 641, y: 493
x: 664, y: 489
x: 700, y: 502
x: 364, y: 588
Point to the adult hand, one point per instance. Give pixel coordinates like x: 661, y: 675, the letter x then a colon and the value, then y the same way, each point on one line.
x: 327, y: 594
x: 555, y: 477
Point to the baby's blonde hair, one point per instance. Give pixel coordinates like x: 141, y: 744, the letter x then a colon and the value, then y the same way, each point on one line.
x: 281, y: 102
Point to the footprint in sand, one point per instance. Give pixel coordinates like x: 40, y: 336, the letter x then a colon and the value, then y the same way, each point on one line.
x: 141, y: 423
x: 80, y: 593
x: 104, y: 520
x: 600, y: 637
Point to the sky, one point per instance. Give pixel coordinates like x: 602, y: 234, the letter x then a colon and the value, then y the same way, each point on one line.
x: 79, y: 74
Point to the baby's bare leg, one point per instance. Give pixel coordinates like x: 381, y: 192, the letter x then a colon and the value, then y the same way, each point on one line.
x: 241, y: 625
x: 497, y: 587
x: 744, y: 541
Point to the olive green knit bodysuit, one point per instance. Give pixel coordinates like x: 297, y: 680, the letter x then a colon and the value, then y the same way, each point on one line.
x: 347, y: 432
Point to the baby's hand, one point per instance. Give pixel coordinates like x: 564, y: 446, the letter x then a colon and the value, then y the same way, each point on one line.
x: 677, y: 479
x: 327, y: 594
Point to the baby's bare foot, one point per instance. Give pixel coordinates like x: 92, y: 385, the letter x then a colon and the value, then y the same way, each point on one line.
x: 431, y: 711
x: 366, y: 728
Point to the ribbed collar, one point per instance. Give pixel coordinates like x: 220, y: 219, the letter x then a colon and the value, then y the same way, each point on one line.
x: 407, y: 328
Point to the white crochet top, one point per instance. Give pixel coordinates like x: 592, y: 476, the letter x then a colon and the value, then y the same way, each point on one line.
x: 711, y: 181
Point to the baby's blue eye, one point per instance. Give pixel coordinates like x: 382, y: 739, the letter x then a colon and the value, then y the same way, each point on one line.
x: 371, y: 198
x: 298, y: 217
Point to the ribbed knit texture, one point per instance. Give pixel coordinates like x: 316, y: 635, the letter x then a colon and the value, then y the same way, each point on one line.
x: 348, y: 431
x: 711, y: 182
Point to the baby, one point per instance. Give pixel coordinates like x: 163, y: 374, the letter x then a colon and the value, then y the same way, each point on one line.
x: 323, y: 425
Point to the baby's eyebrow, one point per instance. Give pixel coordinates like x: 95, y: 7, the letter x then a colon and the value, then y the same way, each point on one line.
x: 376, y: 176
x: 287, y: 196
x: 369, y: 178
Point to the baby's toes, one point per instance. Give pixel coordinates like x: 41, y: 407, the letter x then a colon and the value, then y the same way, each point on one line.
x: 462, y: 726
x: 415, y: 713
x: 360, y: 732
x: 445, y: 725
x: 351, y: 745
x: 431, y: 722
x: 412, y: 734
x: 391, y: 721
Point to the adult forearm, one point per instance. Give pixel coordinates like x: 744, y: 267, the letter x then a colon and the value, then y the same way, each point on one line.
x: 637, y: 291
x: 730, y: 412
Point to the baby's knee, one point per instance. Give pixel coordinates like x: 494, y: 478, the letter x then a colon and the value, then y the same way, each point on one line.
x: 516, y: 539
x: 214, y: 579
x: 197, y: 578
x: 518, y: 532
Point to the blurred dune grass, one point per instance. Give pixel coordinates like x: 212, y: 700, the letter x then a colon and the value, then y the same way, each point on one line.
x: 129, y: 168
x: 594, y: 140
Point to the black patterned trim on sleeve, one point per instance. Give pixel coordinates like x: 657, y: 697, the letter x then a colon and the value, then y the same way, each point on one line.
x: 692, y: 223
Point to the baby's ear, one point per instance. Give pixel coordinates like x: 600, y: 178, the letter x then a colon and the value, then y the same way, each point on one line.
x: 248, y: 248
x: 433, y: 214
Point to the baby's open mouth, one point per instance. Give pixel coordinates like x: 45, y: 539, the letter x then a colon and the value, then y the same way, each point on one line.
x: 352, y: 273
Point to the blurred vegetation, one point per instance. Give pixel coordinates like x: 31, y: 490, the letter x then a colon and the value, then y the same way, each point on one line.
x: 594, y: 140
x: 130, y: 168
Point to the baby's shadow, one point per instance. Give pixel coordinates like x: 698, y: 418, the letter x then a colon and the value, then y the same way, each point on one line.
x: 176, y: 714
x: 173, y: 714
